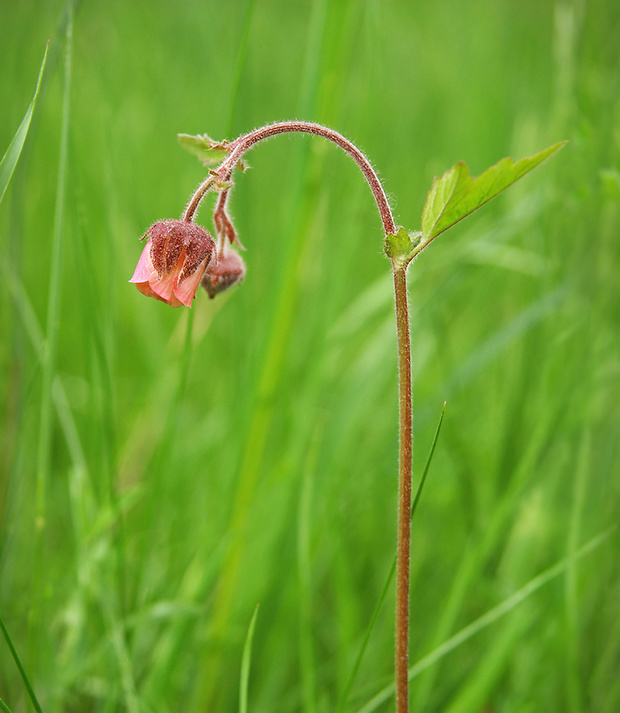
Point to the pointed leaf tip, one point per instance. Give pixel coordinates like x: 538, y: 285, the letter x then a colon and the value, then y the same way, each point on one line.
x: 11, y: 157
x: 456, y: 194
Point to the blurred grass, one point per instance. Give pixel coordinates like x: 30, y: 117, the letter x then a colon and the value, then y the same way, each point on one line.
x: 199, y: 465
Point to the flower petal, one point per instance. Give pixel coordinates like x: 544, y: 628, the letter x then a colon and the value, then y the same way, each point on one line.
x: 144, y: 268
x: 185, y: 290
x: 145, y: 289
x: 164, y: 286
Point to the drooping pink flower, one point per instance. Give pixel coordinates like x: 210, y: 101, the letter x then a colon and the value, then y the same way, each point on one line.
x: 173, y: 261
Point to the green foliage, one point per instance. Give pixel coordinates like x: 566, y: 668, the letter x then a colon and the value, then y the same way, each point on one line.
x: 245, y: 451
x: 11, y: 157
x: 456, y: 194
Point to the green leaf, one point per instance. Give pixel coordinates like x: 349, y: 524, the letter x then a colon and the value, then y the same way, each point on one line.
x: 457, y: 194
x: 11, y: 157
x: 210, y: 152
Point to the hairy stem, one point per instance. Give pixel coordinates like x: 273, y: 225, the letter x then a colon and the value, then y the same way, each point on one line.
x: 244, y: 143
x: 404, y: 487
x: 218, y: 180
x: 199, y: 194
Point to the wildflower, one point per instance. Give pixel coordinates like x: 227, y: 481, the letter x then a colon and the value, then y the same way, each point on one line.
x: 173, y: 261
x: 228, y: 271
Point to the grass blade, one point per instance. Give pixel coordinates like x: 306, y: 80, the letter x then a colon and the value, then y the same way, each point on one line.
x: 481, y: 680
x: 418, y: 492
x: 482, y: 622
x: 240, y: 64
x: 20, y: 668
x: 573, y: 650
x: 307, y: 656
x: 245, y: 665
x: 11, y: 157
x: 54, y: 288
x: 48, y: 367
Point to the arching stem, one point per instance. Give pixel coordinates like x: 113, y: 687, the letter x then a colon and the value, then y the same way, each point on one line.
x: 244, y: 143
x: 218, y: 180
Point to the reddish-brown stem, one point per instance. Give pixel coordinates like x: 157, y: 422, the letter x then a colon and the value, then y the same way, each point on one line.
x: 223, y: 225
x: 404, y: 487
x: 240, y: 146
x: 199, y: 194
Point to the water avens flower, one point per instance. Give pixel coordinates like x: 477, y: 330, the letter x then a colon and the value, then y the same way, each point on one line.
x: 173, y: 261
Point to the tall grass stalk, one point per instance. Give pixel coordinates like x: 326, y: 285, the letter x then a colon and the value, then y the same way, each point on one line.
x: 50, y: 345
x: 53, y: 300
x: 20, y: 668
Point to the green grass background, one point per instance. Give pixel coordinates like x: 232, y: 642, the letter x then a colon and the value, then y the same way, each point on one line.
x: 163, y: 471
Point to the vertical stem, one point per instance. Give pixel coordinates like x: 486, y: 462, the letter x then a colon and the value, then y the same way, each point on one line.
x: 404, y: 498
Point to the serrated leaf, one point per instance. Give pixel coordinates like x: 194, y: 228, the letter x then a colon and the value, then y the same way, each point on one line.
x: 9, y: 161
x: 210, y: 152
x: 456, y: 194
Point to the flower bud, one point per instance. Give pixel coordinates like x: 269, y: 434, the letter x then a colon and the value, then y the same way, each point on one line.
x: 229, y: 270
x: 173, y: 261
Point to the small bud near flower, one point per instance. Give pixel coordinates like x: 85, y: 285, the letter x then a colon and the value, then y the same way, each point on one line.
x: 173, y: 261
x: 229, y: 270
